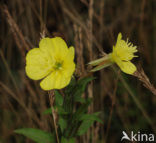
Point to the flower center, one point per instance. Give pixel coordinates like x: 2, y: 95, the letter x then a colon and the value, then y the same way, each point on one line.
x: 58, y: 66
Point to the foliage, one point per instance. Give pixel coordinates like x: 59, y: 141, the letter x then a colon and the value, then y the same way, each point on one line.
x: 36, y: 135
x: 72, y: 110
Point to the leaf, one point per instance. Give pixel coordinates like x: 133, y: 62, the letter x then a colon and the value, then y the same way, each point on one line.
x: 82, y: 109
x: 77, y: 88
x: 98, y: 61
x: 97, y: 68
x: 81, y: 85
x: 58, y: 102
x: 37, y: 135
x: 62, y: 123
x: 80, y: 88
x: 65, y: 140
x: 47, y: 111
x: 74, y: 122
x: 68, y: 98
x: 87, y: 121
x: 74, y: 92
x: 79, y: 99
x: 84, y: 127
x: 71, y: 85
x: 68, y: 103
x: 93, y: 117
x: 58, y: 98
x: 60, y: 110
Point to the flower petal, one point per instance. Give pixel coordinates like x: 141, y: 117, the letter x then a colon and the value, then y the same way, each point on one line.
x: 38, y: 64
x: 127, y: 67
x: 124, y: 50
x: 119, y: 37
x: 60, y: 47
x: 68, y: 68
x: 68, y: 63
x: 56, y: 80
x: 71, y: 53
x: 46, y: 46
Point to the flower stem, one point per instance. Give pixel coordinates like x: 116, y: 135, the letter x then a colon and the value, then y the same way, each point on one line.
x: 52, y: 99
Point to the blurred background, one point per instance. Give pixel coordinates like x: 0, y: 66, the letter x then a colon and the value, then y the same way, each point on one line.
x: 92, y: 27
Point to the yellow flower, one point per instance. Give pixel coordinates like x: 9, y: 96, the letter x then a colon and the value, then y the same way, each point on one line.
x: 122, y: 53
x: 53, y: 62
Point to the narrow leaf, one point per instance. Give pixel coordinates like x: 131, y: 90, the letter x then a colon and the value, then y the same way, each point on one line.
x: 98, y: 61
x: 36, y: 135
x: 58, y: 98
x: 62, y: 123
x: 93, y: 117
x: 80, y: 87
x: 87, y: 121
x: 47, y: 111
x: 84, y: 127
x: 97, y: 68
x: 65, y: 140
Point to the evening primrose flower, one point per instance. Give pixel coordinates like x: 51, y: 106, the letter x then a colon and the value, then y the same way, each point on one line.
x: 53, y: 62
x: 122, y: 53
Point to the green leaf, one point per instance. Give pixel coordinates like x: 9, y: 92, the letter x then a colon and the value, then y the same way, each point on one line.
x: 59, y: 109
x: 97, y: 68
x: 81, y: 85
x: 79, y: 99
x: 82, y: 109
x: 93, y: 117
x: 86, y: 124
x: 98, y: 61
x: 77, y: 88
x: 74, y: 122
x: 47, y: 111
x: 65, y: 140
x: 37, y: 135
x: 68, y: 103
x: 58, y: 98
x: 62, y: 123
x: 74, y: 92
x: 80, y: 88
x: 87, y: 121
x: 71, y: 85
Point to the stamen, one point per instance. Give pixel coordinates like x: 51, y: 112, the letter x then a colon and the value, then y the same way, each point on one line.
x: 58, y: 66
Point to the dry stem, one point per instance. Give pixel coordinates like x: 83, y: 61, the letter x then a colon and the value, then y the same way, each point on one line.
x: 52, y: 99
x: 145, y: 80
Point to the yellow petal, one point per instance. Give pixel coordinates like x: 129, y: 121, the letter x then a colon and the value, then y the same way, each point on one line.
x: 38, y: 64
x: 124, y: 50
x: 60, y: 47
x: 55, y: 47
x: 46, y: 46
x: 68, y: 64
x: 69, y: 55
x: 56, y: 80
x: 119, y: 37
x: 127, y: 67
x: 68, y: 69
